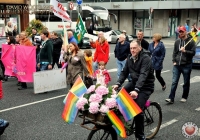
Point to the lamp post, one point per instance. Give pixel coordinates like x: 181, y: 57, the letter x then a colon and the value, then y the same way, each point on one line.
x: 150, y: 23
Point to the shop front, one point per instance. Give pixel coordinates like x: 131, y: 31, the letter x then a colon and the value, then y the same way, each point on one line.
x: 15, y: 11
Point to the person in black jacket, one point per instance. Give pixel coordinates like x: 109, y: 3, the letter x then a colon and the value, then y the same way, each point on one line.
x: 57, y: 45
x: 144, y: 43
x: 124, y: 32
x: 36, y: 40
x: 182, y: 61
x: 139, y: 66
x: 122, y: 50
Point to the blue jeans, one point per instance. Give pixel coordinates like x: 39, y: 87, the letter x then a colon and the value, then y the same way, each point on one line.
x: 95, y: 66
x: 120, y: 66
x: 186, y: 71
x: 43, y: 67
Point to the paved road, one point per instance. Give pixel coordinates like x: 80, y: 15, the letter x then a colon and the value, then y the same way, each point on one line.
x: 33, y: 120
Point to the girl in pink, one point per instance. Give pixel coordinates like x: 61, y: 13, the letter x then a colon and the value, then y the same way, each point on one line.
x: 102, y: 75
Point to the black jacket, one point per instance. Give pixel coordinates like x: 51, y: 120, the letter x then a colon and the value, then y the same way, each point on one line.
x: 57, y: 45
x: 122, y: 50
x: 144, y: 44
x: 181, y: 58
x: 46, y: 51
x: 141, y: 72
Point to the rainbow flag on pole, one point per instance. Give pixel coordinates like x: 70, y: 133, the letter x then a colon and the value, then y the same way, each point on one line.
x: 79, y: 87
x: 70, y: 110
x: 118, y: 125
x: 127, y: 105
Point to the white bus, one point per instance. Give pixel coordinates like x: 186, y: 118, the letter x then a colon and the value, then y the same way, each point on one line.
x: 96, y: 19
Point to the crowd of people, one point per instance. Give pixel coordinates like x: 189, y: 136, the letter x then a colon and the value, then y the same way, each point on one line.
x: 137, y: 61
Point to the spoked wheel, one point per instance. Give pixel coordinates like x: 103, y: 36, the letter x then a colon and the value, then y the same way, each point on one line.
x: 152, y: 120
x: 104, y: 133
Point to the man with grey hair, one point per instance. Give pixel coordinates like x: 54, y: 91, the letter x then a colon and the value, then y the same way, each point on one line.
x: 138, y: 64
x: 121, y: 51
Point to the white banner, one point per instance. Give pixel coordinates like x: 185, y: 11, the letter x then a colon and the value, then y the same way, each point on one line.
x: 59, y: 11
x: 49, y: 80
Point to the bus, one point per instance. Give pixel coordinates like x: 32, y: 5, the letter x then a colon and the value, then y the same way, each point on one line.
x: 95, y: 18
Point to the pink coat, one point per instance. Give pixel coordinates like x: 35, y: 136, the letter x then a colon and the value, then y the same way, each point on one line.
x: 105, y: 73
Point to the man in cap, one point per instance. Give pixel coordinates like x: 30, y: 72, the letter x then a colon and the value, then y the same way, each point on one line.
x: 124, y: 32
x: 182, y: 61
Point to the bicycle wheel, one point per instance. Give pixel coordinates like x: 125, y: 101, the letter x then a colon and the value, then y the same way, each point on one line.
x: 152, y: 120
x: 103, y: 133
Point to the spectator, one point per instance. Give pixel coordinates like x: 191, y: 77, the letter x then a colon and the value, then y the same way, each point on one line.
x: 9, y: 29
x: 17, y: 39
x: 102, y: 51
x: 15, y: 31
x: 177, y: 32
x: 57, y: 45
x: 36, y: 40
x: 186, y: 27
x: 157, y: 50
x: 71, y: 37
x: 124, y: 32
x: 45, y: 55
x: 76, y: 64
x: 121, y: 52
x: 182, y: 61
x: 144, y: 43
x: 26, y: 42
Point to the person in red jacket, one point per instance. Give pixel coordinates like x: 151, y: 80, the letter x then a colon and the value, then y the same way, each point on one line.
x: 102, y: 51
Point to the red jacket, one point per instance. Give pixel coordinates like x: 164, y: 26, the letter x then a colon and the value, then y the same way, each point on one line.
x: 102, y: 52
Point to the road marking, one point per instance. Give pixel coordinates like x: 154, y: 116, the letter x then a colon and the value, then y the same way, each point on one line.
x: 165, y: 71
x: 195, y: 79
x: 197, y: 109
x: 112, y: 70
x: 199, y: 132
x: 165, y: 124
x: 20, y: 106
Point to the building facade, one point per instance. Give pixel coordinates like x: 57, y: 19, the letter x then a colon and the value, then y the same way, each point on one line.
x: 15, y: 11
x: 150, y: 16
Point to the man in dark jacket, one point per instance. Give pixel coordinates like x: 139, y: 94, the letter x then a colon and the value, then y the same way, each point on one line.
x: 122, y: 50
x: 124, y: 32
x: 182, y: 61
x: 139, y: 66
x: 144, y: 43
x: 57, y: 45
x: 46, y: 51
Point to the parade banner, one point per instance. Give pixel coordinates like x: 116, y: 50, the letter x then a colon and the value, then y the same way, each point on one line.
x: 59, y: 11
x: 8, y: 59
x: 25, y: 63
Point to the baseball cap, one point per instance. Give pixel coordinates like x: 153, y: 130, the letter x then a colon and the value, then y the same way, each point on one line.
x: 124, y: 31
x: 182, y: 28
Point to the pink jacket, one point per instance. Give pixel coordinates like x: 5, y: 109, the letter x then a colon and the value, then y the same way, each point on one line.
x: 107, y: 75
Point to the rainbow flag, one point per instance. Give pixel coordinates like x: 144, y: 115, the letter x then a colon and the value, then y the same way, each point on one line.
x: 70, y: 110
x: 117, y: 123
x: 79, y: 87
x: 127, y: 105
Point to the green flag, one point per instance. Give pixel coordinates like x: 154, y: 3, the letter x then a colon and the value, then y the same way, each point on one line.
x: 80, y: 29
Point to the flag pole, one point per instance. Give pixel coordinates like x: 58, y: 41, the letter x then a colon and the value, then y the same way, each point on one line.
x: 65, y: 40
x: 190, y: 40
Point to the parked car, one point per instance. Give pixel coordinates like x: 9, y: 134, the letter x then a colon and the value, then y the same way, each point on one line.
x: 196, y: 58
x: 115, y: 36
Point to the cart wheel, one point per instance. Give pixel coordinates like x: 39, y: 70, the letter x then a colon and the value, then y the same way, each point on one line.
x: 104, y: 133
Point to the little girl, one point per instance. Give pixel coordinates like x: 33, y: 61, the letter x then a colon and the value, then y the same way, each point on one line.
x: 102, y: 75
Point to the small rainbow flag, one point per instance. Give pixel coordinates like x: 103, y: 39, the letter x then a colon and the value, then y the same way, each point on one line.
x: 127, y: 105
x: 79, y: 87
x: 117, y: 123
x: 70, y: 110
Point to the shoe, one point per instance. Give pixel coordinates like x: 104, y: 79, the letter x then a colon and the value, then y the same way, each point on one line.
x: 22, y: 88
x: 183, y: 100
x: 5, y: 78
x: 19, y: 84
x: 169, y: 101
x: 163, y: 88
x: 3, y: 125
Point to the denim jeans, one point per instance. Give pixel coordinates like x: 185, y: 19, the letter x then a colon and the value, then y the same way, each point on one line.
x: 95, y: 66
x: 186, y: 71
x: 43, y: 67
x: 120, y: 66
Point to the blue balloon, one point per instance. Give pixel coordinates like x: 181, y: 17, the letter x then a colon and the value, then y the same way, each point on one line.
x: 79, y: 2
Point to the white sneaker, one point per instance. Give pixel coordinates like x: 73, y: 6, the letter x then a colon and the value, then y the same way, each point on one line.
x: 169, y: 101
x: 183, y: 100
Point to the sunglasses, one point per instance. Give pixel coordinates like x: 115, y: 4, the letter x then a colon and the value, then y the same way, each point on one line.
x: 181, y: 31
